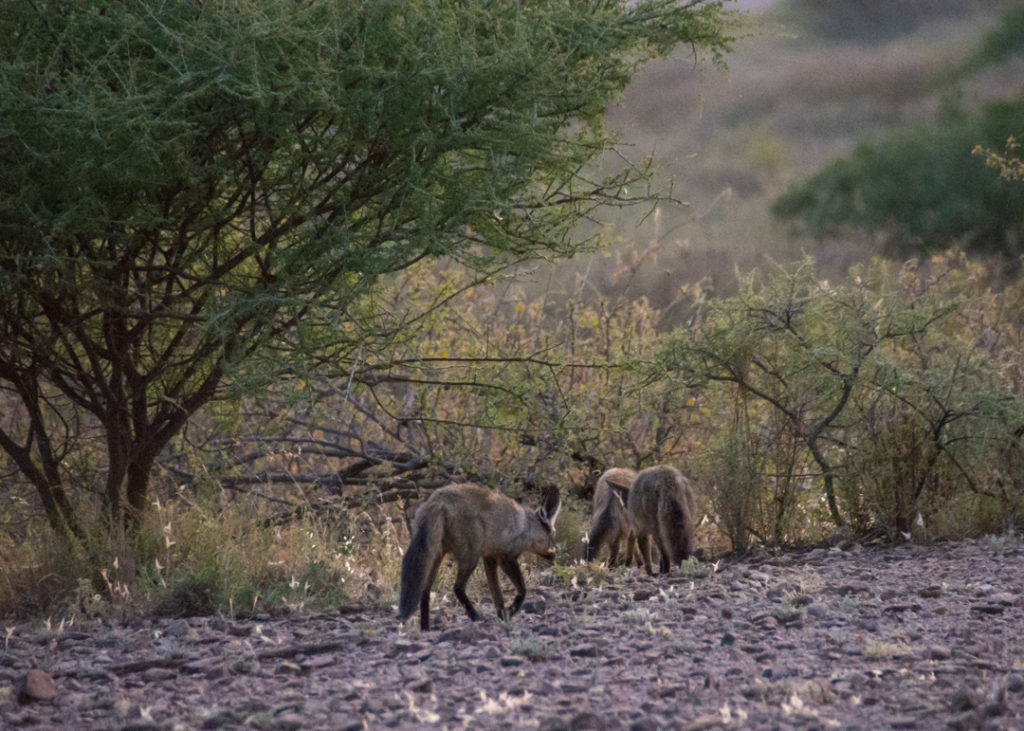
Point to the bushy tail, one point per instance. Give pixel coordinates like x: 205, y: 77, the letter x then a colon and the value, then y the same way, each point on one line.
x: 675, y: 527
x: 418, y: 559
x: 598, y: 533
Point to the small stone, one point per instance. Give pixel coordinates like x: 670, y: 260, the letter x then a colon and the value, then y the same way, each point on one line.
x: 964, y: 722
x: 287, y: 667
x: 642, y: 595
x: 511, y: 661
x: 753, y: 692
x: 404, y: 647
x: 176, y: 628
x: 289, y: 722
x: 728, y: 639
x: 584, y: 651
x: 570, y: 687
x: 988, y: 608
x: 343, y: 722
x: 219, y: 720
x: 469, y: 635
x: 817, y: 611
x: 962, y: 701
x: 645, y: 724
x: 535, y: 606
x: 159, y: 675
x: 37, y: 685
x: 1015, y: 683
x: 125, y: 709
x: 788, y: 616
x: 702, y: 723
x: 939, y: 652
x: 245, y: 666
x: 994, y: 709
x: 424, y: 685
x: 1004, y: 597
x: 320, y: 661
x: 853, y: 587
x: 930, y: 592
x: 587, y: 721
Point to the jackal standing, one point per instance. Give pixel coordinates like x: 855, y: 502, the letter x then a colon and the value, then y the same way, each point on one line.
x: 611, y: 522
x: 472, y: 522
x: 662, y: 503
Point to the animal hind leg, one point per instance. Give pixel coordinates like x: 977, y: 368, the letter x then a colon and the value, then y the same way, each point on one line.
x: 632, y: 551
x: 491, y: 569
x: 425, y: 596
x: 665, y: 562
x: 644, y: 542
x: 465, y: 569
x: 686, y: 544
x: 613, y: 553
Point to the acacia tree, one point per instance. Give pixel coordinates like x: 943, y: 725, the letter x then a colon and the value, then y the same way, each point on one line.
x: 186, y: 185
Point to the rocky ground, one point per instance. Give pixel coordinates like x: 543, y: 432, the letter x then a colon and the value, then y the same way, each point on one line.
x: 902, y: 637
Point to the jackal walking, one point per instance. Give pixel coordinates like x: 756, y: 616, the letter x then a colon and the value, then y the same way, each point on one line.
x: 473, y: 522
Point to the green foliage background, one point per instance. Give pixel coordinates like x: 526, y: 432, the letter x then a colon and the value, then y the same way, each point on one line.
x: 921, y: 190
x: 805, y: 403
x: 200, y: 198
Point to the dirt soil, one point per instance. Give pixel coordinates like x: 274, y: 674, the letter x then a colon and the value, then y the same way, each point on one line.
x: 903, y: 637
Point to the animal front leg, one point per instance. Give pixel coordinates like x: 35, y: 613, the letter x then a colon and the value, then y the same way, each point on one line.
x: 510, y: 566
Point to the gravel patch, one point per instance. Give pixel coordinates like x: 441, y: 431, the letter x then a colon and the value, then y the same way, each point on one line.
x: 900, y: 637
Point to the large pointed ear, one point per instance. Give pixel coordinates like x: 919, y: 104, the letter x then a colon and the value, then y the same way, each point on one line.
x: 548, y: 512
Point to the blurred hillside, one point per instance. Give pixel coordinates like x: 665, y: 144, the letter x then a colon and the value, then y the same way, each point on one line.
x: 806, y: 82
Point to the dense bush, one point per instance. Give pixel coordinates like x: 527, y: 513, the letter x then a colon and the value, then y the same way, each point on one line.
x: 900, y: 388
x: 890, y: 401
x: 863, y: 21
x: 920, y: 190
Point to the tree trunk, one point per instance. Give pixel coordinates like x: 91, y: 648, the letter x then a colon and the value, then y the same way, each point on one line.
x: 828, y: 475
